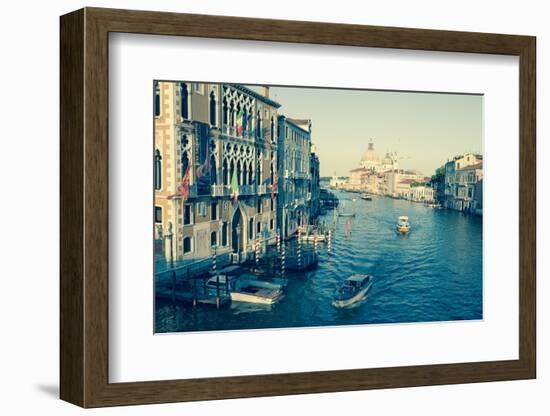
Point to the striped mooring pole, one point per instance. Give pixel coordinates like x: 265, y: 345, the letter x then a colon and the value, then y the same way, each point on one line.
x: 315, y: 243
x: 283, y: 258
x: 299, y: 246
x: 214, y: 267
x: 329, y: 240
x: 278, y: 242
x: 214, y: 261
x: 257, y: 252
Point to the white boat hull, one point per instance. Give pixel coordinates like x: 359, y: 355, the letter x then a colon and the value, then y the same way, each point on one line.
x: 360, y: 295
x: 255, y: 298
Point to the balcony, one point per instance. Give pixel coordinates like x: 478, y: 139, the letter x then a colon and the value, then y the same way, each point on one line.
x: 221, y: 190
x: 232, y: 132
x: 247, y: 190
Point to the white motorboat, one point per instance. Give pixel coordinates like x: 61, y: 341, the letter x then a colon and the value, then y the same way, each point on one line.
x: 246, y: 288
x: 403, y: 226
x: 353, y: 290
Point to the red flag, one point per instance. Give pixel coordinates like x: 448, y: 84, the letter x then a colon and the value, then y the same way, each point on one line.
x: 274, y: 186
x: 204, y: 169
x: 183, y: 188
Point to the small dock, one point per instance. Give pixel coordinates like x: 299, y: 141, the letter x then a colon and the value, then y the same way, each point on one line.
x: 186, y: 296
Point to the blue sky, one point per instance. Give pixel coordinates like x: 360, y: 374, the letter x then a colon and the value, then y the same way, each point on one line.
x: 425, y: 129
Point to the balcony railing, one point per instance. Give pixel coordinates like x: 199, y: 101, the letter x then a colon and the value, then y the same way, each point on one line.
x: 221, y: 190
x: 233, y: 132
x: 247, y: 190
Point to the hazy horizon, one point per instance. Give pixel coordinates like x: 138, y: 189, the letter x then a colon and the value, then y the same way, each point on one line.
x: 425, y: 129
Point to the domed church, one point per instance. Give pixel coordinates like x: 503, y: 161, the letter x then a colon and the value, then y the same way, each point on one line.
x: 370, y: 159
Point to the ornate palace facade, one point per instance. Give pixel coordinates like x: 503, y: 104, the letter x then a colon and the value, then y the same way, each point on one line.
x: 215, y: 166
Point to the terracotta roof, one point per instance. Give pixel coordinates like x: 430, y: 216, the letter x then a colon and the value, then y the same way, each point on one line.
x: 359, y: 170
x: 408, y: 181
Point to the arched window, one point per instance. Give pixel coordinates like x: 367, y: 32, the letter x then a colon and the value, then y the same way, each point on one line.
x: 212, y: 109
x: 187, y: 245
x: 225, y: 111
x: 225, y: 173
x: 250, y: 173
x: 224, y: 234
x: 245, y: 174
x: 245, y: 120
x: 184, y: 162
x: 272, y: 138
x: 158, y: 170
x: 231, y: 170
x: 258, y: 126
x: 213, y: 171
x: 239, y: 170
x: 157, y: 99
x: 184, y: 101
x: 213, y: 239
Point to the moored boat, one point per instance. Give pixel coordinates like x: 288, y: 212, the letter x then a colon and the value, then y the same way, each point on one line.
x: 246, y: 288
x: 366, y: 197
x: 353, y: 290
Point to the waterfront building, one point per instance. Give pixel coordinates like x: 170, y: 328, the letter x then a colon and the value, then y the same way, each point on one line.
x: 398, y: 183
x: 337, y: 182
x: 357, y: 179
x: 215, y: 161
x: 294, y: 152
x: 461, y: 176
x: 314, y: 183
x: 421, y: 193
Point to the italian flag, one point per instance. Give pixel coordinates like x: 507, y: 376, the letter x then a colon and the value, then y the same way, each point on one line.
x: 240, y: 115
x: 235, y: 187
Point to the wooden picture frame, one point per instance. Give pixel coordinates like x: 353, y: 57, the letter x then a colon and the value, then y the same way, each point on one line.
x: 84, y: 207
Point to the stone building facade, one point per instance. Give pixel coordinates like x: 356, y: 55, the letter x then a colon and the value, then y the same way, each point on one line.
x: 215, y: 161
x: 294, y: 144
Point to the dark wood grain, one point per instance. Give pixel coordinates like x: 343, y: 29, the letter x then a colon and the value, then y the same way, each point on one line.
x: 84, y: 207
x: 71, y: 217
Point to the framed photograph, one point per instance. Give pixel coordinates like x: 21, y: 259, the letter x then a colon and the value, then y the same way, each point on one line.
x: 256, y: 207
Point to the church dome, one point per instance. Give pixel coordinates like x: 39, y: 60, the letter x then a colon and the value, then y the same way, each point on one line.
x: 387, y: 160
x: 370, y: 155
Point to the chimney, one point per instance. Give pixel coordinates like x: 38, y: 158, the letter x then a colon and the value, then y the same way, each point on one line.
x: 265, y: 91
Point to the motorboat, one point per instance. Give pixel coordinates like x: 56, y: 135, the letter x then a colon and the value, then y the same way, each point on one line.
x: 403, y: 226
x: 246, y: 288
x: 353, y: 290
x: 366, y: 197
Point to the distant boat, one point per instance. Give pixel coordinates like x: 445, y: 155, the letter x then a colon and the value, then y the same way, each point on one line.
x: 366, y: 197
x: 353, y: 290
x: 403, y: 226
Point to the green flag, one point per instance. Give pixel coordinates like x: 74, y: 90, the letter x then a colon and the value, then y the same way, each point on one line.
x: 235, y: 187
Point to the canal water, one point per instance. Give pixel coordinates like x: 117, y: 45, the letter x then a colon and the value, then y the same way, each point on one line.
x: 432, y: 274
